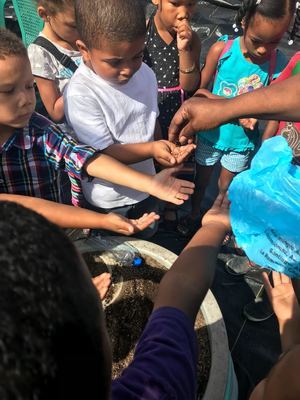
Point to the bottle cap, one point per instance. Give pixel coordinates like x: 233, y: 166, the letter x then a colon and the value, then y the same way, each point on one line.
x: 137, y: 262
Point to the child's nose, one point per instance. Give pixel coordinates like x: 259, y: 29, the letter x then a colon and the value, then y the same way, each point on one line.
x: 25, y: 99
x: 183, y: 13
x: 262, y: 50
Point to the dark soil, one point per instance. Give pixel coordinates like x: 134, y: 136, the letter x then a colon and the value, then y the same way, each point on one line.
x: 127, y: 316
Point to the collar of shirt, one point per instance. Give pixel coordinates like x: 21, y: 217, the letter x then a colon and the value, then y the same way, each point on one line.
x: 21, y: 138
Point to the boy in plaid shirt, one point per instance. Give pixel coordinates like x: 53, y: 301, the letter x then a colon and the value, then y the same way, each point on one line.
x: 34, y: 151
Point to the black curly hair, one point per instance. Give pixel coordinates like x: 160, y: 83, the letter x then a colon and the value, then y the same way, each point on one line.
x: 273, y: 9
x: 51, y: 346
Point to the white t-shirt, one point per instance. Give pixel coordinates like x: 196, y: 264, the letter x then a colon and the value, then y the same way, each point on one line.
x: 45, y: 65
x: 103, y: 114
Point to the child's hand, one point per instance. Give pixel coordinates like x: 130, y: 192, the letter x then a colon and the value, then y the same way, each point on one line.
x: 166, y: 187
x: 248, y: 123
x: 184, y: 35
x: 102, y: 283
x: 282, y: 296
x: 168, y: 154
x: 119, y: 224
x: 219, y: 213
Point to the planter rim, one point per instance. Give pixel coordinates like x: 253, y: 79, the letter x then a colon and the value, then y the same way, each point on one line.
x: 221, y: 363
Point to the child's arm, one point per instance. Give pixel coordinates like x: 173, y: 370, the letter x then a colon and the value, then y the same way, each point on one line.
x: 162, y: 185
x: 186, y: 284
x: 211, y: 63
x: 286, y: 307
x: 189, y: 47
x: 163, y: 151
x: 271, y: 130
x: 74, y: 217
x: 51, y: 98
x: 157, y: 131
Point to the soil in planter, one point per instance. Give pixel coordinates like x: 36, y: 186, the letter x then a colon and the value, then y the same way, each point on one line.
x: 127, y: 316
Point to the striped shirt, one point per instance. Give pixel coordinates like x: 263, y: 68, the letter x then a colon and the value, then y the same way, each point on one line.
x: 34, y: 157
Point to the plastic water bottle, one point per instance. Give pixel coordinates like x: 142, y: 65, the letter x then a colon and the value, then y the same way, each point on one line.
x: 123, y: 254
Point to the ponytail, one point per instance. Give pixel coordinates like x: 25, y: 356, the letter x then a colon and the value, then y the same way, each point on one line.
x: 273, y: 9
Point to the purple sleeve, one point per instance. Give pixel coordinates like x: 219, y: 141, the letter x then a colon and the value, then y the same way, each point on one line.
x: 164, y: 365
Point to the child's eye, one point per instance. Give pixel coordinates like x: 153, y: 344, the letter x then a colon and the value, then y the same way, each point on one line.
x: 114, y: 63
x: 9, y: 91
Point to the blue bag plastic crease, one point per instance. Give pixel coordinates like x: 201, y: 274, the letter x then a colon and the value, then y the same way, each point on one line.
x: 265, y: 209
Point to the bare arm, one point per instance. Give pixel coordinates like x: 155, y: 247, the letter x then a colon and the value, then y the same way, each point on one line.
x: 280, y: 101
x: 189, y: 47
x: 271, y: 129
x: 211, y: 63
x: 186, y: 284
x: 74, y: 217
x: 162, y: 185
x: 51, y: 98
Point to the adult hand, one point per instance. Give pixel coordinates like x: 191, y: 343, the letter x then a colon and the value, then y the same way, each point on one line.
x: 196, y: 114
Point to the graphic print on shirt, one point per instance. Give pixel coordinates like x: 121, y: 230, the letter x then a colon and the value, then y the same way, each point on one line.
x: 244, y: 85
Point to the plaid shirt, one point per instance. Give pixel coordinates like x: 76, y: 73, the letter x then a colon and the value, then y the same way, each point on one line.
x: 33, y: 158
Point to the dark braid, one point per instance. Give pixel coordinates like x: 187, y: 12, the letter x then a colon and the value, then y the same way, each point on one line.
x: 273, y: 9
x: 296, y: 27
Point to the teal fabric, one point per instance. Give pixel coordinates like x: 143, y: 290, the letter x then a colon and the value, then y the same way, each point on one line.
x: 235, y: 76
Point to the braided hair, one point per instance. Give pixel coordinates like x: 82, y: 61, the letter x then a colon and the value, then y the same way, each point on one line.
x: 296, y: 27
x: 267, y: 8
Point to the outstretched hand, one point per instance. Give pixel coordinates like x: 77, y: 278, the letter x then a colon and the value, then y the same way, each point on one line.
x: 248, y: 123
x: 169, y: 154
x: 124, y: 226
x: 281, y: 295
x: 219, y: 213
x: 166, y: 187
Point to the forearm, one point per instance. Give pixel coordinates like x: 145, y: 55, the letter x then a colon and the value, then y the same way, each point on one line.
x: 111, y: 170
x: 280, y: 101
x: 289, y: 332
x: 188, y: 81
x: 189, y: 279
x: 57, y: 112
x: 63, y: 215
x: 130, y: 153
x: 271, y: 129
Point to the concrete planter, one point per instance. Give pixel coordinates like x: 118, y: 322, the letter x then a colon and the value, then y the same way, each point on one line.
x: 222, y: 382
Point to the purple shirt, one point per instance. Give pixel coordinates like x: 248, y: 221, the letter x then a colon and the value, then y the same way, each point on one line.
x: 165, y: 360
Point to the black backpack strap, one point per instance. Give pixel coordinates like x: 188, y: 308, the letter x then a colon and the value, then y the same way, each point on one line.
x: 62, y: 58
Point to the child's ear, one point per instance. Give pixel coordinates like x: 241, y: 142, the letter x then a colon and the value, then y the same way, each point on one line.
x: 155, y: 2
x: 243, y: 24
x: 43, y: 13
x: 83, y: 50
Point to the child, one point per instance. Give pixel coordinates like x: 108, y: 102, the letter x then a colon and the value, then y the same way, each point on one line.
x: 50, y: 73
x: 243, y: 65
x: 290, y: 130
x: 173, y: 52
x: 111, y: 101
x: 48, y: 305
x: 34, y: 151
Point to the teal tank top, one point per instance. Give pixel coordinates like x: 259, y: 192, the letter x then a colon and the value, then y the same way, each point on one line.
x: 235, y: 75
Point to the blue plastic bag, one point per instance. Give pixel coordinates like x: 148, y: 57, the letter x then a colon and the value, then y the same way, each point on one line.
x: 265, y: 209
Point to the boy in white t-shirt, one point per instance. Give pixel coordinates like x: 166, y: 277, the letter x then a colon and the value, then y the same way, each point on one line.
x: 111, y: 100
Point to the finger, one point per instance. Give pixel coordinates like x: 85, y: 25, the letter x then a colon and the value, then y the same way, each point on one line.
x: 182, y: 196
x: 226, y: 202
x: 285, y: 279
x: 186, y: 190
x: 186, y: 132
x: 267, y: 284
x: 177, y: 123
x: 276, y: 278
x: 218, y: 201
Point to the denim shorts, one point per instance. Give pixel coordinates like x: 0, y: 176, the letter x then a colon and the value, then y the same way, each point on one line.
x: 207, y: 155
